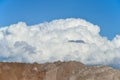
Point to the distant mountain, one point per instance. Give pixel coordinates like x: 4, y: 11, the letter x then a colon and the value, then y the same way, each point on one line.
x: 56, y: 71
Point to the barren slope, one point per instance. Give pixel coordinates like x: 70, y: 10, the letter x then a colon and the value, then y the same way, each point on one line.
x: 56, y: 71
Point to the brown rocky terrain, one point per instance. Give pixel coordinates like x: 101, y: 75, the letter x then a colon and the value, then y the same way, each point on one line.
x: 56, y: 71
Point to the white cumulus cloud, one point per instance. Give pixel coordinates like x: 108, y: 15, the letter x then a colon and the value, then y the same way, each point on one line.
x: 63, y: 39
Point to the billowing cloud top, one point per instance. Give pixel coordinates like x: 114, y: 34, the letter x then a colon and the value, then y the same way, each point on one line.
x: 63, y: 39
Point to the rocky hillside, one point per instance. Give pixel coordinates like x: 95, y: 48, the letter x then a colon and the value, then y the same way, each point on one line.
x: 56, y: 71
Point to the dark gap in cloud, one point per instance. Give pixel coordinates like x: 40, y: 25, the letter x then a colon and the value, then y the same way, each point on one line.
x: 76, y: 41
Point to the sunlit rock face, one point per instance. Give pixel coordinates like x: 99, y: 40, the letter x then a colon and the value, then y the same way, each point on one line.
x: 56, y: 71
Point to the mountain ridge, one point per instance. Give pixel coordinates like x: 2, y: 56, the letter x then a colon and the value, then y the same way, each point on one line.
x: 70, y: 70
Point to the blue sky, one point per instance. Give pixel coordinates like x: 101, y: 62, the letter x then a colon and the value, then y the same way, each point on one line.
x: 105, y: 13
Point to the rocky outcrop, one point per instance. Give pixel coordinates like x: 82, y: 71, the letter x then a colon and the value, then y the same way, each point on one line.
x: 56, y: 71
